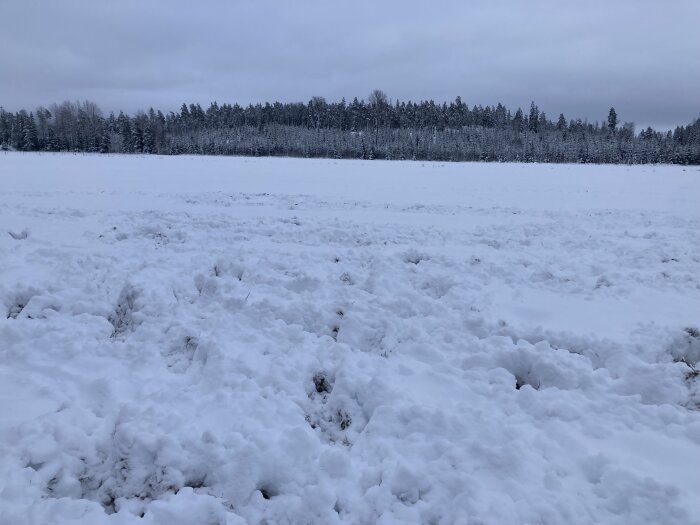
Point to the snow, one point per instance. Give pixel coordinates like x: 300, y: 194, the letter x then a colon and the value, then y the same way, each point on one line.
x: 227, y: 340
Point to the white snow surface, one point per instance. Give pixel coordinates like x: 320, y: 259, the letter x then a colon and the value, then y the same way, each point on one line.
x: 198, y: 340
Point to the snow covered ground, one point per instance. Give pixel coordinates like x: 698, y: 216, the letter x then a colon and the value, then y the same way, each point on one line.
x: 195, y: 340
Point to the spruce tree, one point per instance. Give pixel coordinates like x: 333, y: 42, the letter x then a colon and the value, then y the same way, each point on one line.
x: 30, y: 140
x: 519, y: 121
x: 533, y: 121
x: 612, y: 120
x: 105, y: 141
x: 561, y: 123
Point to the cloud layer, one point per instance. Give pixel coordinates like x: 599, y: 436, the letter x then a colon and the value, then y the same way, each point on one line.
x: 640, y: 56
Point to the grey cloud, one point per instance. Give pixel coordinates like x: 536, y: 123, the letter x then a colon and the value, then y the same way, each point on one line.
x: 640, y: 56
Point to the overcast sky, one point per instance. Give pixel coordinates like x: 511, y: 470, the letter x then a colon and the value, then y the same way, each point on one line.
x: 571, y: 56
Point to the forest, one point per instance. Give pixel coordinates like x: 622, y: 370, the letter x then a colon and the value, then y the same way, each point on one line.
x: 376, y: 128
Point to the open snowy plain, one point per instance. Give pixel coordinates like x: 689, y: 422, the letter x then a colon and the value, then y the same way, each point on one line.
x: 194, y: 340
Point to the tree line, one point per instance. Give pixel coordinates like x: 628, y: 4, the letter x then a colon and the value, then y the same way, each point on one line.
x: 376, y: 128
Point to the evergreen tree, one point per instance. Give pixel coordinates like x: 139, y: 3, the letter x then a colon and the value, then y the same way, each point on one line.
x: 561, y: 123
x: 519, y: 121
x: 533, y: 121
x: 612, y: 120
x: 137, y: 138
x: 149, y: 139
x: 105, y: 141
x: 184, y: 113
x: 30, y: 139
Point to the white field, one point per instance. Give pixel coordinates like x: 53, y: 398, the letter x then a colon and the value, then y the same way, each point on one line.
x: 492, y: 343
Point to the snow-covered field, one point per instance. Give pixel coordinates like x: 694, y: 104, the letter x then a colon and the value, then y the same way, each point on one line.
x: 195, y: 340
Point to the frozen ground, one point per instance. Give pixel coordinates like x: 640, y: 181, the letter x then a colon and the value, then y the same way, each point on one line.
x: 197, y: 340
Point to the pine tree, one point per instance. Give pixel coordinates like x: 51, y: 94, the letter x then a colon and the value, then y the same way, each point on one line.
x: 149, y: 140
x: 105, y: 141
x: 124, y: 130
x: 136, y: 139
x: 184, y: 113
x: 533, y: 121
x: 561, y: 123
x: 519, y: 121
x: 612, y: 120
x: 30, y: 140
x: 54, y: 141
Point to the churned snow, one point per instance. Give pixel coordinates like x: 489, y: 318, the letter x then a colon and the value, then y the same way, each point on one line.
x: 195, y: 340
